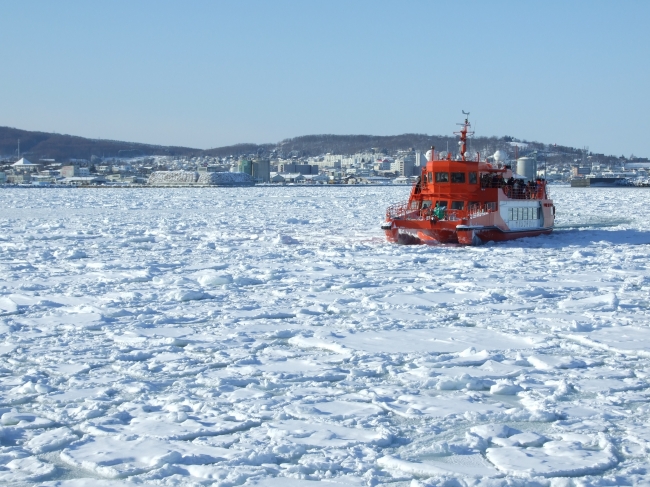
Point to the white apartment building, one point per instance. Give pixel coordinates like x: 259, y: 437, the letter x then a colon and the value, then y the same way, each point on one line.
x: 420, y: 159
x: 404, y: 164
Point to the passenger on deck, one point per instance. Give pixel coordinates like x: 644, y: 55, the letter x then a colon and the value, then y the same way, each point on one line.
x: 540, y: 189
x: 439, y: 212
x: 516, y: 189
x: 507, y: 186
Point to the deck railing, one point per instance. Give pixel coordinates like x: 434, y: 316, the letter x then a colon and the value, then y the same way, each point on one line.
x: 525, y: 192
x: 402, y: 211
x: 516, y: 188
x: 481, y: 209
x: 451, y: 215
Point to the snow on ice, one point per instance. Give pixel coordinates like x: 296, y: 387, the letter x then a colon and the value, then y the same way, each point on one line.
x: 270, y: 336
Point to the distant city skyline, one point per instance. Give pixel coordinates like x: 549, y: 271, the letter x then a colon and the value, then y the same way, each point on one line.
x: 210, y: 74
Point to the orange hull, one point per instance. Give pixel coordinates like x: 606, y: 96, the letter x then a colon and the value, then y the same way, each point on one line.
x: 460, y: 236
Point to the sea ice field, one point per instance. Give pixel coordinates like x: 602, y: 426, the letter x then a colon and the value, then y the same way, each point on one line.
x: 271, y: 336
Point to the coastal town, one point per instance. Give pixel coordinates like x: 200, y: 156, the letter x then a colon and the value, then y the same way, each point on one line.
x: 372, y: 166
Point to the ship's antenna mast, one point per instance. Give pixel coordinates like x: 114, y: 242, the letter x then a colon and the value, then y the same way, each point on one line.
x: 463, y: 135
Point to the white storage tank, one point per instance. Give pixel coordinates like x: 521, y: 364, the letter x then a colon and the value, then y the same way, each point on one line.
x: 527, y: 167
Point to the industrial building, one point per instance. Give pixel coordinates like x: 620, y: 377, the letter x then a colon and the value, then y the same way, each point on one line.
x: 258, y: 169
x: 527, y: 168
x: 305, y: 169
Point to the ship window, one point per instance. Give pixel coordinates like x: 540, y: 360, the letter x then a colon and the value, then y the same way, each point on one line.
x: 520, y: 214
x: 457, y: 177
x: 539, y: 213
x: 430, y: 177
x: 442, y: 177
x: 426, y: 203
x: 414, y: 204
x: 457, y: 205
x: 526, y: 213
x: 510, y: 214
x: 472, y: 177
x: 441, y: 204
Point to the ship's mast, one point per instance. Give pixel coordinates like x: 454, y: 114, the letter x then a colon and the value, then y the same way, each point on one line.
x: 464, y: 132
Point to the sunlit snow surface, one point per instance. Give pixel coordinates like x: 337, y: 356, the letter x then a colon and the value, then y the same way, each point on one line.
x: 270, y: 336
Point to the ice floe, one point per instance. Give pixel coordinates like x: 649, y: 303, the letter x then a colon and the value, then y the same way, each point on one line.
x: 173, y: 337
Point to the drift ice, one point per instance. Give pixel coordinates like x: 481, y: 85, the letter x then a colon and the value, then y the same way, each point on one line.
x: 469, y: 202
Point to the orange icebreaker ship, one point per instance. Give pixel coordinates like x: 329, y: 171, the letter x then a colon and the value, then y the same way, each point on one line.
x: 469, y: 202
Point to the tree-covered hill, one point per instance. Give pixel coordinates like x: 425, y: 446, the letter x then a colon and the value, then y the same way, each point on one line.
x: 62, y: 148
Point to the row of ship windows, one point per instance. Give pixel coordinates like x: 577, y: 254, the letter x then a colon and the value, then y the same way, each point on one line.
x: 524, y: 213
x: 456, y: 177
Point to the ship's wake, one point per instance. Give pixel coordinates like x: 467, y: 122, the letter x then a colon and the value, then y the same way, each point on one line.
x: 593, y: 223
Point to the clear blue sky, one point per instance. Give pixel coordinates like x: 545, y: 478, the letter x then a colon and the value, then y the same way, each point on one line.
x: 212, y: 73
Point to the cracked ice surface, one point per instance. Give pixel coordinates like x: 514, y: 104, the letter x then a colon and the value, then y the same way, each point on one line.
x: 270, y: 336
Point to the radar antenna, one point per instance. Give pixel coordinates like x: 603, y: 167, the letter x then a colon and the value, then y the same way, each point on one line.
x: 464, y: 133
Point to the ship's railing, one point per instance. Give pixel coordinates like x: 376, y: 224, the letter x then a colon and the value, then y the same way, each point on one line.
x: 539, y: 192
x: 517, y: 190
x: 451, y: 215
x: 442, y: 213
x: 481, y: 209
x: 403, y: 211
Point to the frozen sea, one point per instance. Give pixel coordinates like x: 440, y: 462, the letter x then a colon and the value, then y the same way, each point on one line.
x: 270, y: 336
